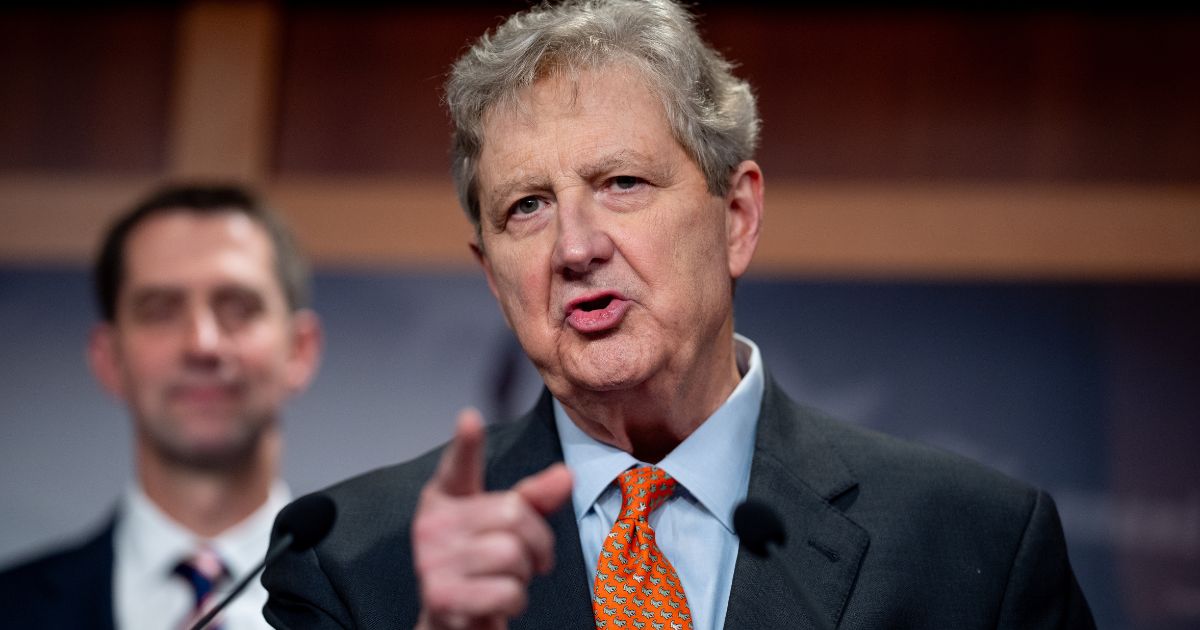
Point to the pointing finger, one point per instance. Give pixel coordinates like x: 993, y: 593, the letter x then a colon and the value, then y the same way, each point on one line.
x: 460, y: 471
x: 547, y: 490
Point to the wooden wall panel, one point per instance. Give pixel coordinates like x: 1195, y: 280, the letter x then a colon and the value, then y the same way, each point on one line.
x: 223, y: 106
x: 896, y: 144
x: 361, y: 89
x: 852, y: 94
x: 85, y: 90
x: 1004, y: 95
x: 962, y: 230
x: 55, y: 219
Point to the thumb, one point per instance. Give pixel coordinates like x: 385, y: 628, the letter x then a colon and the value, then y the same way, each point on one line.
x: 548, y: 490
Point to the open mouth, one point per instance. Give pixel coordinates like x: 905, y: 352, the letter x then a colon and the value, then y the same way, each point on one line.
x: 597, y: 304
x: 597, y: 313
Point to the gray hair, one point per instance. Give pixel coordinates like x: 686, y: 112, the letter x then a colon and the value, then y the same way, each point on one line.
x: 711, y: 112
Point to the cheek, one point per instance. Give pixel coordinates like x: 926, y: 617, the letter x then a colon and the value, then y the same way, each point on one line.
x: 685, y: 259
x: 266, y: 373
x: 675, y: 247
x: 522, y: 280
x: 701, y: 238
x: 264, y: 351
x: 147, y: 359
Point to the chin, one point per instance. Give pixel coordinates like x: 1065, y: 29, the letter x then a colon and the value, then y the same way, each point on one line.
x: 606, y: 371
x: 603, y: 382
x: 210, y: 445
x: 202, y: 459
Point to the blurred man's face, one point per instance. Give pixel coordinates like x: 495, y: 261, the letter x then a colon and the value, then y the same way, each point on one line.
x: 203, y: 349
x: 609, y: 257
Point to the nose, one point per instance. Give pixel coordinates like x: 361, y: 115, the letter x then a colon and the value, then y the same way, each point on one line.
x: 203, y: 337
x: 582, y: 243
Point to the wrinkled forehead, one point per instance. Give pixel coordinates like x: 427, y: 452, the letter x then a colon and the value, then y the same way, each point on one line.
x: 577, y: 122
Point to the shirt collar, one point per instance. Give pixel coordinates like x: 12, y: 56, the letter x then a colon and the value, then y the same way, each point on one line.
x: 156, y: 542
x: 244, y: 545
x: 727, y: 436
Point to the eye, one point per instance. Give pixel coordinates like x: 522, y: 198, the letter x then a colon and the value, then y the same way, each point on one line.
x: 625, y: 182
x: 237, y: 306
x: 156, y: 307
x: 527, y: 205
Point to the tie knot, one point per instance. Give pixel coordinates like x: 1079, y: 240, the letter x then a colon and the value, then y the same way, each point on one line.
x: 642, y: 490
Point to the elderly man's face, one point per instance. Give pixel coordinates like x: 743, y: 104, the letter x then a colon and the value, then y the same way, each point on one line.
x: 609, y: 257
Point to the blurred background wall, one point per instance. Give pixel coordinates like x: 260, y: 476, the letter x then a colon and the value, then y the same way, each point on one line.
x: 983, y: 232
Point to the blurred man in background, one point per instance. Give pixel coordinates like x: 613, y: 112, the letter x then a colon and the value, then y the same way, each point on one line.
x: 206, y: 332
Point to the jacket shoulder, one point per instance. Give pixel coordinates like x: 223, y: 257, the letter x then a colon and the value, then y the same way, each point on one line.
x: 907, y: 495
x: 920, y: 472
x: 935, y: 518
x: 59, y: 581
x: 61, y: 560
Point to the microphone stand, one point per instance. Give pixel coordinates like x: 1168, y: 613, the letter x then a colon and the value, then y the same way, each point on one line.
x: 276, y: 549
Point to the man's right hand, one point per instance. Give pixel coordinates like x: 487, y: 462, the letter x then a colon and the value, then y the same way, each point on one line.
x: 475, y: 552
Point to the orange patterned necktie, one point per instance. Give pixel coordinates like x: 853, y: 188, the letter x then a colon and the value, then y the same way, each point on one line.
x: 636, y: 587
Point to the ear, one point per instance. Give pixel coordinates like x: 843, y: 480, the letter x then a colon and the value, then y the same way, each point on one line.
x: 743, y: 216
x: 104, y: 357
x: 306, y: 344
x: 482, y: 259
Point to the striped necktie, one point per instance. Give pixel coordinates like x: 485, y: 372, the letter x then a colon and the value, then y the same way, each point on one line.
x: 636, y: 586
x: 204, y: 571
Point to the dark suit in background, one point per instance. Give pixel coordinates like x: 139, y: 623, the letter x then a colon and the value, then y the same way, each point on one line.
x: 888, y: 534
x: 71, y: 588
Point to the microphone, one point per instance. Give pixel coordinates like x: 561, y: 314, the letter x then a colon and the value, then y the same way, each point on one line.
x: 761, y: 532
x: 302, y: 523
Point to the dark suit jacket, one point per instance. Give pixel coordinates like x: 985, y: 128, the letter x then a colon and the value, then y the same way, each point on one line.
x: 886, y: 534
x: 70, y: 588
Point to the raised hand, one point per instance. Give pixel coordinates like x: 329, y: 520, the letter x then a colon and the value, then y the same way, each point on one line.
x: 475, y: 552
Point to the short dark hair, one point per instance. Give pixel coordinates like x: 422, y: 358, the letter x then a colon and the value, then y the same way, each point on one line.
x: 204, y: 199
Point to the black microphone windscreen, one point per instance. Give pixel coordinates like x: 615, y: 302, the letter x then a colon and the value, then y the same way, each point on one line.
x: 756, y: 524
x: 307, y: 519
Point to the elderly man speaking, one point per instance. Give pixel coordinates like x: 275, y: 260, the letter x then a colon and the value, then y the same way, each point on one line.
x: 603, y: 153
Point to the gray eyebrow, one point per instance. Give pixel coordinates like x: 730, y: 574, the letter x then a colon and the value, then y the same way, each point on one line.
x: 614, y: 162
x: 531, y: 182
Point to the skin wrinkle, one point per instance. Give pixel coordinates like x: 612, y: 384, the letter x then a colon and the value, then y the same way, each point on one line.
x: 569, y: 79
x: 711, y: 113
x: 664, y: 245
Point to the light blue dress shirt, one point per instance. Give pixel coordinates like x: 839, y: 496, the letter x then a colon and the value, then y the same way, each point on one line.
x: 694, y: 528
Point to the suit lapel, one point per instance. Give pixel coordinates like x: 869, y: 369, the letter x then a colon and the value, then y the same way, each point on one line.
x: 83, y: 588
x: 560, y: 599
x: 795, y: 470
x: 799, y: 474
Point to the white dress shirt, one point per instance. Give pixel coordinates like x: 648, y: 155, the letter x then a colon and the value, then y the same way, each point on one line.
x: 148, y: 544
x: 694, y: 528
